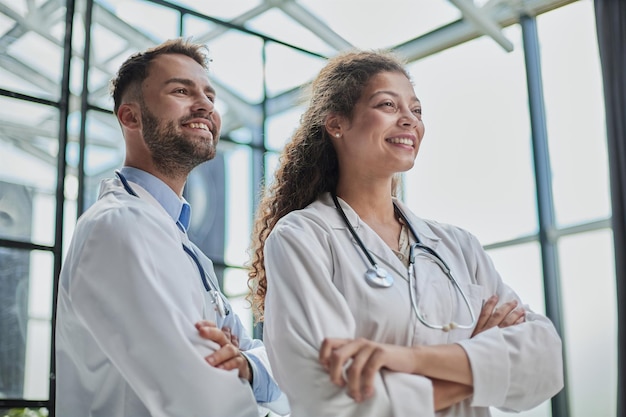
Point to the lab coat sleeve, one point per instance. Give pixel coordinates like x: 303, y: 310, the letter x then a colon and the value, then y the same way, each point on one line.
x: 518, y: 367
x: 303, y: 307
x: 265, y: 389
x: 121, y: 290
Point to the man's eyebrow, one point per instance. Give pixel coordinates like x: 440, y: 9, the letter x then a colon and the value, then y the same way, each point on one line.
x: 189, y: 83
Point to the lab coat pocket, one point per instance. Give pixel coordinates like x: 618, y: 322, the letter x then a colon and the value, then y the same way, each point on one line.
x: 476, y: 295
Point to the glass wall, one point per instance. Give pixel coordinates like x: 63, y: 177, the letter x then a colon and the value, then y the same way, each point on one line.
x: 475, y: 168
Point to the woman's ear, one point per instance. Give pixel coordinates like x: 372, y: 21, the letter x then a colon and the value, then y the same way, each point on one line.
x: 333, y: 125
x: 129, y: 116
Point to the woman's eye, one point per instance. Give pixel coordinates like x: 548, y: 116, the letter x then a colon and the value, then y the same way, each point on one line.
x: 417, y: 111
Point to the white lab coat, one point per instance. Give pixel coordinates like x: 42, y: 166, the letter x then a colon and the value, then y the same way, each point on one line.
x: 316, y: 289
x: 128, y: 299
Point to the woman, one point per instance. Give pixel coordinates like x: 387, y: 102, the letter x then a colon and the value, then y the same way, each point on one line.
x: 362, y: 316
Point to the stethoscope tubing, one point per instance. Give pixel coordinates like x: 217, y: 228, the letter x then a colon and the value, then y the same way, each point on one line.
x: 376, y: 282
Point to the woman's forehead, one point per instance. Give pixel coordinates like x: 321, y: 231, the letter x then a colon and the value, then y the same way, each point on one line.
x: 393, y: 83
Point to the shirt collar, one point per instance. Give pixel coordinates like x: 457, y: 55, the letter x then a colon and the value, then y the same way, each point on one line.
x: 178, y: 208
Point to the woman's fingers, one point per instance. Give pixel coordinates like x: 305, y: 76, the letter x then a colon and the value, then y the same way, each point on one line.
x: 506, y: 314
x: 353, y: 364
x: 485, y: 313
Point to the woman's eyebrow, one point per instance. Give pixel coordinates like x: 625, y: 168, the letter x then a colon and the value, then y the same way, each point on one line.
x: 394, y: 94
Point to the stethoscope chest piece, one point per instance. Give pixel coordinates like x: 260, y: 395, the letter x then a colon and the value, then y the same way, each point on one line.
x: 378, y: 277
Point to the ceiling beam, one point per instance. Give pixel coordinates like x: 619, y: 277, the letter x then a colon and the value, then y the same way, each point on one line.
x: 456, y: 33
x: 315, y: 25
x: 481, y: 19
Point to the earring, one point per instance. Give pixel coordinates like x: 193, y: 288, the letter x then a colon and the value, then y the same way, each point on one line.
x: 337, y: 134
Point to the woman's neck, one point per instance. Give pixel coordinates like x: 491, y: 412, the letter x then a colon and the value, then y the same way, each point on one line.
x: 372, y: 201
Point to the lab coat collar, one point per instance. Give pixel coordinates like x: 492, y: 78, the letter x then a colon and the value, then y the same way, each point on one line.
x: 374, y: 244
x: 114, y: 185
x: 425, y: 233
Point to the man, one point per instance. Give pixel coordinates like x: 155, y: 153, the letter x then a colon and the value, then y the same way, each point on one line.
x: 142, y: 329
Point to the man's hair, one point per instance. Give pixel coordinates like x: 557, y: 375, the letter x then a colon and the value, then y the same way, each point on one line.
x: 135, y: 69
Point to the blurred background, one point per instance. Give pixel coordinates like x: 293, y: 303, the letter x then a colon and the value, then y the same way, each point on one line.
x: 515, y: 150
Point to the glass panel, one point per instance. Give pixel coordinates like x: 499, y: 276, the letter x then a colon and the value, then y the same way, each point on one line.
x: 277, y: 25
x: 31, y: 59
x: 236, y: 289
x: 475, y: 168
x: 198, y: 28
x: 281, y: 127
x: 271, y: 164
x: 104, y: 152
x: 281, y: 62
x: 242, y: 135
x: 69, y: 219
x: 520, y: 268
x: 410, y: 19
x: 220, y: 195
x: 224, y: 10
x: 112, y: 42
x: 153, y: 21
x: 28, y: 152
x: 205, y: 191
x: 575, y: 113
x: 238, y: 217
x: 242, y: 73
x: 236, y: 282
x: 25, y: 312
x: 588, y: 285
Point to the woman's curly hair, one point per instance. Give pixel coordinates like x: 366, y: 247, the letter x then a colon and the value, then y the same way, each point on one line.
x: 308, y: 164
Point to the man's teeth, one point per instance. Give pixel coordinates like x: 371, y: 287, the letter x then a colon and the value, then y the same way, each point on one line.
x: 403, y: 141
x: 198, y: 126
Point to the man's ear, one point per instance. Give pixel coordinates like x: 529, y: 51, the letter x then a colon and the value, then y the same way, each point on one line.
x: 333, y: 125
x: 129, y: 115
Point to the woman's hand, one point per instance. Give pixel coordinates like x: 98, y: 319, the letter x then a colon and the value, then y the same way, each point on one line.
x: 356, y: 362
x: 506, y: 315
x: 228, y: 356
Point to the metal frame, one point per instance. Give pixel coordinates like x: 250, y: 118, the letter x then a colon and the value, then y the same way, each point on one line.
x: 488, y: 20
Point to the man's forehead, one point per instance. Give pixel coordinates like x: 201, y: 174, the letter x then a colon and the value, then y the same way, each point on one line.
x: 178, y: 67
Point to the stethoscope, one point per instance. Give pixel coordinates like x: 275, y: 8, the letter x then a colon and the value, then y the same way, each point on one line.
x: 216, y: 296
x: 378, y: 277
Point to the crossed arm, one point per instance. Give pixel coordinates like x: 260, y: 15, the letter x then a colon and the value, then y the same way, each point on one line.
x: 228, y: 356
x: 447, y: 366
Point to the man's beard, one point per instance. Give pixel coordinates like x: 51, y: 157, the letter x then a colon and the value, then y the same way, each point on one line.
x: 174, y: 153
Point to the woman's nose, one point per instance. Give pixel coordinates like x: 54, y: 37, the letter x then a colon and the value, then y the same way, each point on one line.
x: 409, y: 118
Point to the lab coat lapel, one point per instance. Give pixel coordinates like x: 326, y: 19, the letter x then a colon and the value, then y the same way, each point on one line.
x: 382, y: 254
x: 422, y: 229
x: 115, y: 185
